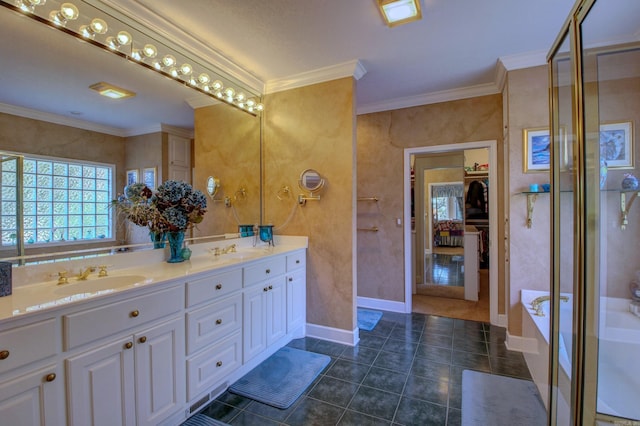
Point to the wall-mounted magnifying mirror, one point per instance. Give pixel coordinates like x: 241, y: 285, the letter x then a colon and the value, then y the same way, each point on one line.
x: 213, y: 185
x: 311, y: 181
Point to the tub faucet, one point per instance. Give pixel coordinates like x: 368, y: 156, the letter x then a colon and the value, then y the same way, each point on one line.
x: 84, y: 274
x: 536, y: 304
x: 229, y: 249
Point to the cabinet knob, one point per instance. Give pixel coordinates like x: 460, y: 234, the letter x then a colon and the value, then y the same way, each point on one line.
x: 265, y: 289
x: 298, y: 261
x: 50, y: 377
x: 218, y: 286
x: 219, y: 321
x: 268, y: 271
x: 142, y: 339
x: 135, y: 313
x: 290, y: 278
x: 4, y: 354
x: 128, y: 345
x: 219, y: 364
x: 270, y: 287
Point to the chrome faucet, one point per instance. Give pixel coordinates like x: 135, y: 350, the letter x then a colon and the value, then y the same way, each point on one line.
x: 536, y: 304
x: 84, y: 274
x: 229, y: 249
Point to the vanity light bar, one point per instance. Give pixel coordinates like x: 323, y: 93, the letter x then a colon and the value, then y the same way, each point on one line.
x: 166, y: 65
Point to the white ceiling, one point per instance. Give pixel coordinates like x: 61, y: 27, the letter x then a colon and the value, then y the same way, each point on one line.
x: 451, y: 53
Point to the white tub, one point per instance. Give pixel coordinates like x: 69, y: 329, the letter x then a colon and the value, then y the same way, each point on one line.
x: 618, y: 353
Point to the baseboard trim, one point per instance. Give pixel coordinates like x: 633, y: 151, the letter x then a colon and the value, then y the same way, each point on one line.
x: 384, y: 305
x: 503, y: 321
x: 521, y: 344
x: 331, y: 334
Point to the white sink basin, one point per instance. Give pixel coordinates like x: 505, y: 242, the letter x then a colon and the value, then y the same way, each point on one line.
x: 96, y: 284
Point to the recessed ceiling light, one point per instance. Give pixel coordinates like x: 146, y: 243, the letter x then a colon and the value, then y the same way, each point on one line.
x: 111, y: 91
x: 398, y: 12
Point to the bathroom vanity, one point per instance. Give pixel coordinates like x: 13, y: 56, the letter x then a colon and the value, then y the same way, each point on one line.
x: 151, y: 342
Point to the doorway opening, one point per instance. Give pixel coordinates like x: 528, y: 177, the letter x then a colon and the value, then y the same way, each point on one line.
x: 448, y: 203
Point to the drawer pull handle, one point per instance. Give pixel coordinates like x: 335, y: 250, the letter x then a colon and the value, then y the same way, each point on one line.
x: 50, y: 377
x: 218, y: 286
x: 298, y: 261
x: 265, y: 289
x: 270, y: 287
x: 135, y: 313
x: 290, y: 278
x: 219, y: 364
x: 219, y: 321
x: 4, y: 354
x: 128, y: 345
x: 268, y: 271
x: 142, y: 339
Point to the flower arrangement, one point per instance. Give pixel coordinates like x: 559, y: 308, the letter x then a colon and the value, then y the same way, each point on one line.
x: 175, y: 206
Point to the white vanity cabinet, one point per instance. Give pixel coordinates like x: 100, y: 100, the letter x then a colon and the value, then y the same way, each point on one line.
x: 133, y: 379
x: 264, y: 305
x: 31, y: 396
x: 296, y: 291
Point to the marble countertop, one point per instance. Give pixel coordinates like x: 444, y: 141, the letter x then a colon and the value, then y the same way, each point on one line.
x: 36, y: 289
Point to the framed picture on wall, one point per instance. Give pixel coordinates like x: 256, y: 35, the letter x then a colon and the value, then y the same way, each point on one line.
x: 616, y: 144
x: 132, y: 176
x: 149, y: 177
x: 536, y: 150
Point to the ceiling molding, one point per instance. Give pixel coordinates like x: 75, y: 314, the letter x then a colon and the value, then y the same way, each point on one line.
x: 177, y: 131
x: 430, y: 98
x: 135, y: 11
x: 346, y: 69
x: 500, y: 78
x: 61, y: 119
x: 201, y: 101
x: 524, y: 60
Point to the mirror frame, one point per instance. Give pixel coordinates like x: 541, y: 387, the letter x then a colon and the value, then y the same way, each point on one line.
x: 305, y: 175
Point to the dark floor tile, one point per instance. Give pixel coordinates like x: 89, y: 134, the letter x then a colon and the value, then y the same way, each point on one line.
x: 388, y: 380
x: 454, y: 418
x: 219, y: 411
x: 430, y: 369
x: 471, y: 360
x: 270, y: 412
x: 455, y: 395
x: 434, y: 353
x: 398, y: 361
x: 305, y: 344
x: 334, y: 391
x: 329, y: 348
x: 420, y: 413
x: 468, y: 334
x: 371, y: 341
x: 459, y: 324
x: 233, y: 399
x: 410, y: 326
x: 405, y: 335
x: 437, y: 328
x: 360, y: 354
x: 433, y: 339
x: 498, y: 348
x: 400, y: 346
x: 427, y: 390
x: 248, y: 419
x: 353, y: 418
x: 468, y: 345
x: 383, y: 328
x: 375, y: 402
x: 514, y: 366
x: 348, y: 370
x: 311, y: 412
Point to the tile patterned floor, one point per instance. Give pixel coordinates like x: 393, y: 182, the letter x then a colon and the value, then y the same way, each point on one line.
x: 406, y: 371
x: 444, y: 269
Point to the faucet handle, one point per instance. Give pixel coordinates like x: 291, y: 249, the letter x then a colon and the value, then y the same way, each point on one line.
x: 232, y: 249
x: 215, y: 251
x: 103, y: 271
x: 62, y: 277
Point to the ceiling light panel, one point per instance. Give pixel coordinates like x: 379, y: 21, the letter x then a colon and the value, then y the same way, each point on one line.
x: 398, y: 12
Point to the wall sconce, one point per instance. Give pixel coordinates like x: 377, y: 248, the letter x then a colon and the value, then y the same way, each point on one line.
x: 311, y: 181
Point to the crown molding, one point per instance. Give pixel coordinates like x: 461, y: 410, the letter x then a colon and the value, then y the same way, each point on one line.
x: 430, y: 98
x: 61, y: 119
x: 177, y: 131
x: 523, y: 60
x: 346, y: 69
x: 179, y: 38
x: 500, y: 78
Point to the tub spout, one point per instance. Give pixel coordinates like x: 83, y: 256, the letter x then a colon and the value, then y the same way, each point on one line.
x: 536, y: 304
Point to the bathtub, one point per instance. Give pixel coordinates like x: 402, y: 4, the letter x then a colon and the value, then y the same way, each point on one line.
x: 618, y: 352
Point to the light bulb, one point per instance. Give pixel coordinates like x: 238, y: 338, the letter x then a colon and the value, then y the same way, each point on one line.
x: 217, y: 85
x: 67, y: 12
x: 97, y: 26
x: 206, y: 88
x: 174, y: 72
x: 156, y: 64
x: 259, y: 107
x: 204, y: 78
x: 251, y: 103
x: 168, y: 60
x: 29, y: 5
x: 240, y: 97
x: 186, y: 69
x: 150, y: 51
x: 123, y: 38
x: 193, y: 81
x: 229, y: 92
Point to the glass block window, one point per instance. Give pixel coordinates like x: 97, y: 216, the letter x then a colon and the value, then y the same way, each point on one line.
x: 63, y: 201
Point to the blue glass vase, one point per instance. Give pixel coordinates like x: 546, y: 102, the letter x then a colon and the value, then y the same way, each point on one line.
x: 175, y: 246
x: 157, y: 238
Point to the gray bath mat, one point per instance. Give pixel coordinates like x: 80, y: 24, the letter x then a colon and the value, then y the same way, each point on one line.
x: 500, y: 401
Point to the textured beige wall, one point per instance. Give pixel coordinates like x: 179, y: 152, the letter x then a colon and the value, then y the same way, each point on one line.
x: 381, y: 140
x: 313, y: 127
x: 529, y: 249
x: 24, y: 135
x: 227, y: 146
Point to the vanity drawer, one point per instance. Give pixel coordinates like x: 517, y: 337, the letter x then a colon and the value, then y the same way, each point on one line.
x: 30, y: 343
x: 264, y: 270
x: 211, y: 322
x: 212, y: 365
x: 93, y: 324
x: 296, y: 260
x: 213, y: 287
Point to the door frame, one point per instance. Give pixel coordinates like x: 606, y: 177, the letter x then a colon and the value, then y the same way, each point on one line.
x: 492, y: 146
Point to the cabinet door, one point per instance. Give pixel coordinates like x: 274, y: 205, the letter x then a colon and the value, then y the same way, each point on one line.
x: 35, y: 399
x: 179, y: 159
x: 254, y: 329
x: 160, y: 371
x: 276, y: 310
x: 296, y: 300
x: 101, y: 386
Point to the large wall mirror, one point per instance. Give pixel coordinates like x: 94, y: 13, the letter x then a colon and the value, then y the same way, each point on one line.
x: 166, y: 131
